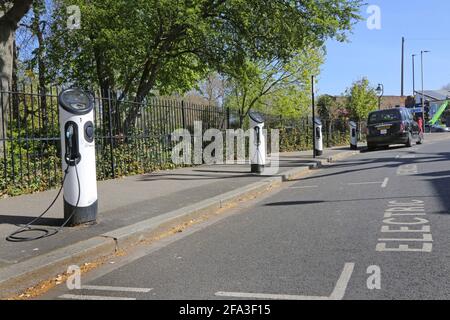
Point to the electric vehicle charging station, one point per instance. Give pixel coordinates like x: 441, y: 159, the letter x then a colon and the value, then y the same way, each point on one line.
x: 257, y: 143
x: 353, y: 135
x: 318, y: 144
x: 76, y: 116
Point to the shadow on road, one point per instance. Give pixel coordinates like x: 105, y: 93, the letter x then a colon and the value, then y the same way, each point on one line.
x: 22, y: 220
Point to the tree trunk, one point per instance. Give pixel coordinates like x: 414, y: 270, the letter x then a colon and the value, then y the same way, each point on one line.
x: 8, y: 25
x: 6, y: 70
x: 42, y: 68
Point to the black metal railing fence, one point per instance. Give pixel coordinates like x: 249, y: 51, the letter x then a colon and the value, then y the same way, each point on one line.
x: 30, y: 145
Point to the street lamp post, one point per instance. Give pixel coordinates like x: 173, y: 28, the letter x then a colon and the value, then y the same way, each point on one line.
x: 423, y: 91
x: 380, y: 93
x: 313, y: 79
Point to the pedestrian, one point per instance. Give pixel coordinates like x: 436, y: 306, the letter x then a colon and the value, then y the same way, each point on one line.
x: 420, y: 123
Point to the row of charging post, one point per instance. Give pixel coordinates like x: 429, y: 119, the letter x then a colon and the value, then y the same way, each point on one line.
x: 258, y: 145
x: 78, y: 152
x: 318, y: 143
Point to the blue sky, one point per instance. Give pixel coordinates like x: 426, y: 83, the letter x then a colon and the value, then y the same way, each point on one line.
x: 376, y: 54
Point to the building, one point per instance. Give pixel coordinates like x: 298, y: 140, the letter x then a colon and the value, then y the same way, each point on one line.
x: 433, y: 96
x: 433, y: 100
x: 387, y: 102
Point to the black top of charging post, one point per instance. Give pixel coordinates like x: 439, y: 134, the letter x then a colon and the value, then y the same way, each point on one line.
x: 76, y: 101
x: 256, y: 116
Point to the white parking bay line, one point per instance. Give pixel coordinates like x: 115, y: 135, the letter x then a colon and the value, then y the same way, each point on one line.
x: 265, y: 296
x: 305, y: 187
x: 337, y: 294
x: 120, y: 289
x: 83, y: 297
x: 341, y: 286
x: 385, y: 183
x: 364, y: 183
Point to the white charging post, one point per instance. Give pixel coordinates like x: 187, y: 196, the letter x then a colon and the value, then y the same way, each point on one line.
x: 353, y: 135
x: 257, y: 143
x: 76, y: 116
x: 318, y: 143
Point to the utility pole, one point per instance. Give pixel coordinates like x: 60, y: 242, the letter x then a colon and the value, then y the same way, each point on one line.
x: 403, y: 67
x: 423, y: 91
x: 414, y: 74
x: 313, y: 115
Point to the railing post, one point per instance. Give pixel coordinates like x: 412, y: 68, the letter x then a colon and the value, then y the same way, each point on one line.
x: 183, y: 114
x: 3, y: 128
x: 111, y: 138
x: 228, y: 118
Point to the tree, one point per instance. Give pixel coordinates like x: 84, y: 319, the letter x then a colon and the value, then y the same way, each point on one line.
x: 137, y: 46
x: 11, y: 12
x: 361, y: 99
x: 275, y: 86
x: 328, y: 107
x: 213, y: 88
x: 329, y: 110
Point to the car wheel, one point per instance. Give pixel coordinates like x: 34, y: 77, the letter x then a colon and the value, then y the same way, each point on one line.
x: 409, y: 143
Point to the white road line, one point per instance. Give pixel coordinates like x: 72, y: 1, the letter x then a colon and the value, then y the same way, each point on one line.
x: 341, y: 286
x: 337, y: 294
x: 385, y: 183
x: 363, y: 183
x: 304, y: 187
x: 83, y: 297
x: 265, y: 296
x: 120, y: 289
x: 407, y: 170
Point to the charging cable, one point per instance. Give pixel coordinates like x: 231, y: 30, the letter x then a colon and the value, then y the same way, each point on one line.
x: 14, y: 237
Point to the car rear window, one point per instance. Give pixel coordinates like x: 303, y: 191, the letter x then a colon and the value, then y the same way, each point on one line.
x: 385, y: 116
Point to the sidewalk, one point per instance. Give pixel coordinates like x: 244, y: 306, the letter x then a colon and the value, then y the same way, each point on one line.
x: 132, y: 203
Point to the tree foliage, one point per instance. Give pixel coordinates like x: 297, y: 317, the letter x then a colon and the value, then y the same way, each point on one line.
x: 361, y: 99
x: 329, y: 108
x: 139, y: 46
x: 275, y: 86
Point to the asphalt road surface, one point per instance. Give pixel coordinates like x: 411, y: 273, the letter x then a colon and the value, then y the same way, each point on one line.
x: 374, y: 226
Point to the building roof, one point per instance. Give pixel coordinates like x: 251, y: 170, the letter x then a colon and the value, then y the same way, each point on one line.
x: 435, y: 95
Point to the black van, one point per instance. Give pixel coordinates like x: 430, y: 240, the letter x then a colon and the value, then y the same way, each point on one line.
x: 392, y: 126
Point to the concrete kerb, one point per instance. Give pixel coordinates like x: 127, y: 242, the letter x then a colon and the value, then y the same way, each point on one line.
x: 25, y: 274
x: 18, y: 277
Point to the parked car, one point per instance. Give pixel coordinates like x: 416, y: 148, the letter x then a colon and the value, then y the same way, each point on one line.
x: 392, y: 126
x: 436, y: 128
